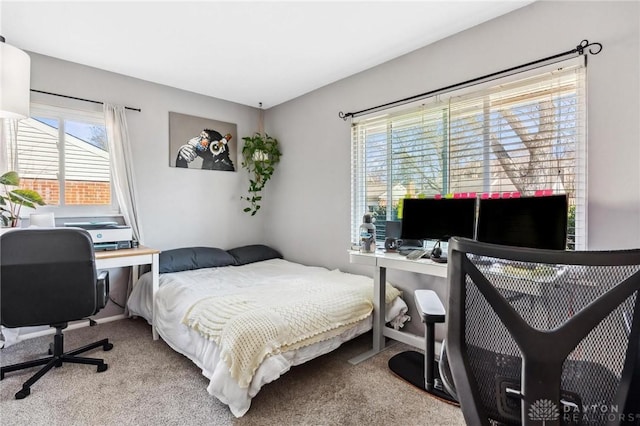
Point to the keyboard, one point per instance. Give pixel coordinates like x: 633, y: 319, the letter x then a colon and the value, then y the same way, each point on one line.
x: 406, y: 250
x: 417, y: 254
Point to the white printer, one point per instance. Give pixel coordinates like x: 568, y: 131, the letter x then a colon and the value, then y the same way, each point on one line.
x: 106, y: 235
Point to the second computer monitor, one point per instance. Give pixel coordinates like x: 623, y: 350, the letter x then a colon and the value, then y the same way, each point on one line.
x: 536, y: 222
x: 438, y: 219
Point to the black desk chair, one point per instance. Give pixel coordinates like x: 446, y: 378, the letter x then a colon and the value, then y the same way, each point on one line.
x: 568, y: 353
x: 48, y: 277
x: 422, y: 370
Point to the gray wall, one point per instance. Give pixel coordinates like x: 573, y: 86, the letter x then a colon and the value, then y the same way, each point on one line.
x: 308, y: 203
x: 306, y: 209
x: 178, y: 207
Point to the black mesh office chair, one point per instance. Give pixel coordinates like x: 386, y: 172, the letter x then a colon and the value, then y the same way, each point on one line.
x: 543, y: 337
x: 48, y: 277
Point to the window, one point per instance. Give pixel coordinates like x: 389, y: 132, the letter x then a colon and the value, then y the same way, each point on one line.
x: 518, y: 136
x: 63, y: 155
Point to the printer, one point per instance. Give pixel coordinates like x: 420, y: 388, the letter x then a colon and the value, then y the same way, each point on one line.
x: 106, y: 235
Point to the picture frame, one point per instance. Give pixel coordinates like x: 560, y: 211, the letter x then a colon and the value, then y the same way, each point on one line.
x: 202, y: 143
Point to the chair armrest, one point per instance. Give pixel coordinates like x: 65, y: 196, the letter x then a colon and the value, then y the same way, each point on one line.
x: 429, y: 306
x: 102, y: 290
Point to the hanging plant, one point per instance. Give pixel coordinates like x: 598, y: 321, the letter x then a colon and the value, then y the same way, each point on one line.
x: 260, y: 154
x: 11, y: 201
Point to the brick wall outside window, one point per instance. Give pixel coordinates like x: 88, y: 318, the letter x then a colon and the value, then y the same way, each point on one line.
x: 77, y: 192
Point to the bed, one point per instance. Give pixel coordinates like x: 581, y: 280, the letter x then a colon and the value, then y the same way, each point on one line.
x: 246, y: 316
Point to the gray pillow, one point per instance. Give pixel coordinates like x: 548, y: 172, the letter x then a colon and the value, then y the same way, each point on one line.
x: 184, y: 259
x: 253, y: 253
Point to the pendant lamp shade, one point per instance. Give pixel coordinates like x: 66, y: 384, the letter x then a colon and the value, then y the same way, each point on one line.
x: 15, y: 82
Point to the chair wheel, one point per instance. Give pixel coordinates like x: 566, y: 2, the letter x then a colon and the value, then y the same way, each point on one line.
x: 102, y: 367
x: 23, y: 393
x: 107, y: 347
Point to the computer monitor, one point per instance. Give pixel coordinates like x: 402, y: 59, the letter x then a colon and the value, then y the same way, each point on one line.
x: 438, y: 219
x: 536, y: 222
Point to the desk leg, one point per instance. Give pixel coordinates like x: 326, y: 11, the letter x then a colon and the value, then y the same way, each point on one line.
x: 135, y: 275
x: 379, y: 306
x: 155, y: 277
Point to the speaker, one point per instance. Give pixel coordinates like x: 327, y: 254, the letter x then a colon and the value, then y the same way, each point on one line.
x: 390, y: 245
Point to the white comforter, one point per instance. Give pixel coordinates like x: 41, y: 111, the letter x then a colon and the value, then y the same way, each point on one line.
x: 179, y: 291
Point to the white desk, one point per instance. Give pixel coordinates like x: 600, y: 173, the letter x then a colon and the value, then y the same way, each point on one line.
x: 381, y: 261
x: 133, y: 257
x: 539, y: 288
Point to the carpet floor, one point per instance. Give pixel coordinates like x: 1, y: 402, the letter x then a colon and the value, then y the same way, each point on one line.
x: 147, y: 383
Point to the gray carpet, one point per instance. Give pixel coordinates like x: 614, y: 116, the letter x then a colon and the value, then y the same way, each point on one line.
x: 147, y: 383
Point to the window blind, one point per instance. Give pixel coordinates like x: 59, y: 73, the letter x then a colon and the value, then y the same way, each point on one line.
x: 524, y: 137
x: 62, y: 154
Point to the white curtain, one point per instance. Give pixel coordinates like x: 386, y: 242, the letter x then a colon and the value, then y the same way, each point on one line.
x: 122, y: 173
x: 8, y: 161
x: 9, y: 144
x: 122, y: 167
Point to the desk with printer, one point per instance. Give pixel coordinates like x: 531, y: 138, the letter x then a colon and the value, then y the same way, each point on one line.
x: 114, y: 248
x: 107, y: 235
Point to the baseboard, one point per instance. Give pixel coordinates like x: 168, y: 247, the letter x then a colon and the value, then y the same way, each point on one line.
x: 80, y: 324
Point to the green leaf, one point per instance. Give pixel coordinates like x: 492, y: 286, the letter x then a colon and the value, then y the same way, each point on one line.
x: 26, y: 197
x: 259, y: 154
x: 10, y: 178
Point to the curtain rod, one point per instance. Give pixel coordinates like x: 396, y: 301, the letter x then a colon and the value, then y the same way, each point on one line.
x: 579, y: 49
x: 80, y: 99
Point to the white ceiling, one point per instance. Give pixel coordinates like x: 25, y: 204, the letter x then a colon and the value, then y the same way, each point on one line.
x: 246, y: 52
